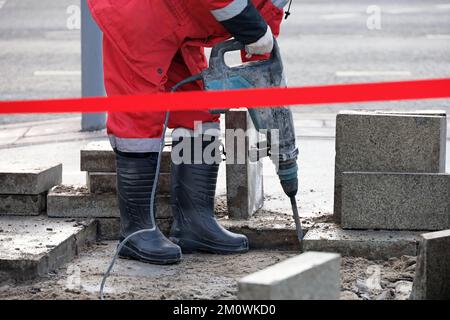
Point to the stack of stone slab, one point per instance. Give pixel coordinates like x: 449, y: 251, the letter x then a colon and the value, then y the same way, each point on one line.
x: 389, y: 176
x: 32, y: 244
x: 23, y: 190
x: 98, y: 199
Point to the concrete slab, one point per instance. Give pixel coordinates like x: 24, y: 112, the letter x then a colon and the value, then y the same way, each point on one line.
x: 67, y: 153
x: 26, y: 178
x: 105, y: 182
x: 22, y: 205
x: 377, y: 245
x: 77, y: 202
x: 309, y: 276
x: 268, y: 230
x: 109, y: 228
x: 34, y: 246
x: 98, y: 156
x: 245, y: 194
x: 101, y: 182
x: 374, y: 142
x: 395, y: 201
x: 432, y: 279
x: 265, y: 230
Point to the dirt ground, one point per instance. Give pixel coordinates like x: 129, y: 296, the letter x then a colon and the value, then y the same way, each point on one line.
x: 200, y: 276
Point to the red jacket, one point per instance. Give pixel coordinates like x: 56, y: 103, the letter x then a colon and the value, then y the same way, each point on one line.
x: 149, y: 32
x: 150, y: 45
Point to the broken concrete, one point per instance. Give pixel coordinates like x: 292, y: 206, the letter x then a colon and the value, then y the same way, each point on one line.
x: 77, y: 202
x: 369, y: 244
x: 432, y: 279
x: 99, y: 156
x: 395, y: 201
x: 105, y: 182
x: 18, y: 178
x: 198, y: 276
x: 381, y: 142
x: 245, y: 194
x: 34, y: 246
x: 309, y: 276
x: 22, y: 205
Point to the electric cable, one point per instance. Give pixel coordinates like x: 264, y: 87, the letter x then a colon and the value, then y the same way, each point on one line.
x: 153, y: 195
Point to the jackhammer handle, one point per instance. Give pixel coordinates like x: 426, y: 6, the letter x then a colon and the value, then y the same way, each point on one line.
x: 217, y: 58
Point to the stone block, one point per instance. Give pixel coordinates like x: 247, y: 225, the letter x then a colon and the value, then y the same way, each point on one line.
x: 395, y: 201
x: 388, y: 142
x: 101, y: 182
x: 105, y: 182
x: 99, y: 156
x: 309, y: 276
x: 22, y: 204
x: 374, y: 245
x: 245, y: 194
x: 18, y: 178
x: 432, y: 279
x: 34, y: 246
x: 77, y: 202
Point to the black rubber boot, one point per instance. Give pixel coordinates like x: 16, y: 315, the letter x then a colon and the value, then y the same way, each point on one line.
x: 135, y: 178
x: 195, y: 228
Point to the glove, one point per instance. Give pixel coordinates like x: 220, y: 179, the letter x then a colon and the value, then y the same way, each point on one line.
x: 263, y: 46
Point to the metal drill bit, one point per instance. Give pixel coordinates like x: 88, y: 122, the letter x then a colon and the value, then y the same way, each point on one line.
x: 298, y: 225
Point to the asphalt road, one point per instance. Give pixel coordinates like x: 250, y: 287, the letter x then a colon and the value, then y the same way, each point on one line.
x: 323, y: 42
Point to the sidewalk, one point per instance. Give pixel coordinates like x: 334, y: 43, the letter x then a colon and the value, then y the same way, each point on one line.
x: 47, y: 142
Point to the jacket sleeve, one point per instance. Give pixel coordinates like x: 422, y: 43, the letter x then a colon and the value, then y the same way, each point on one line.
x: 239, y: 17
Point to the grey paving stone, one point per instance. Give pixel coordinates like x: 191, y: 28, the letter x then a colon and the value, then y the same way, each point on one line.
x: 22, y: 205
x: 395, y: 201
x: 33, y: 246
x: 376, y: 245
x: 99, y: 156
x: 105, y: 182
x: 432, y: 279
x: 77, y: 202
x: 388, y: 142
x: 245, y: 194
x: 309, y: 276
x: 19, y: 178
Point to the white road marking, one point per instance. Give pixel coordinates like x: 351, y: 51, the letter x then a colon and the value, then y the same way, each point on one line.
x: 61, y: 73
x: 438, y: 36
x: 337, y: 16
x: 2, y: 3
x: 443, y: 6
x: 368, y: 73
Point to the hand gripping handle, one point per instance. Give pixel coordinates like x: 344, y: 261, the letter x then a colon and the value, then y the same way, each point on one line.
x: 217, y: 58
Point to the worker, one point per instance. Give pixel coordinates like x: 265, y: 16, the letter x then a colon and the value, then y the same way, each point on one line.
x: 148, y: 47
